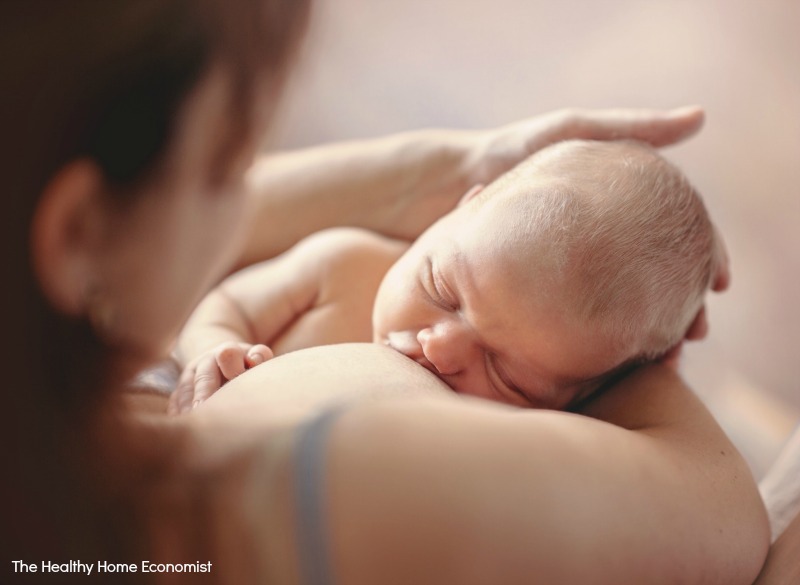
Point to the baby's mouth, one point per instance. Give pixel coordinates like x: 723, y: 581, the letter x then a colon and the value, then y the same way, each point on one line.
x: 405, y: 342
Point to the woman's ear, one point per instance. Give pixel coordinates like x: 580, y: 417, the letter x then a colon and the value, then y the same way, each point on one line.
x: 66, y: 234
x: 471, y: 194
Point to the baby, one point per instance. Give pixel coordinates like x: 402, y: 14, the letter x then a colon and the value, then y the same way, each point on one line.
x: 580, y: 263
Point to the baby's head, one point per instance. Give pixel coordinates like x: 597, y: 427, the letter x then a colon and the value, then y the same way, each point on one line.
x: 587, y: 258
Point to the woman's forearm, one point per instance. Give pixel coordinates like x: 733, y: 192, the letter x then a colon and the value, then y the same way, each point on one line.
x: 397, y: 185
x: 400, y: 184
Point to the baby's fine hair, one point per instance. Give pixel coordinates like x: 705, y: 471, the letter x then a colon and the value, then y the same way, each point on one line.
x: 628, y: 237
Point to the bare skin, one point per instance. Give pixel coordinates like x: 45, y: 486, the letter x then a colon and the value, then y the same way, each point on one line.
x: 487, y: 314
x: 783, y: 565
x: 212, y: 485
x: 643, y: 451
x: 326, y: 290
x: 398, y: 185
x: 320, y: 292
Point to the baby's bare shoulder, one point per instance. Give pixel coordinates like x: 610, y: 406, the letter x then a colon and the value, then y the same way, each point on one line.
x: 349, y: 245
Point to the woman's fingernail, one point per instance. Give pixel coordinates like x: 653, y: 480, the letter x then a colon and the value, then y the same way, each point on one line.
x: 686, y: 111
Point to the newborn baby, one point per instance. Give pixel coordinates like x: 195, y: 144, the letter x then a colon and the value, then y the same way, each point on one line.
x: 584, y: 261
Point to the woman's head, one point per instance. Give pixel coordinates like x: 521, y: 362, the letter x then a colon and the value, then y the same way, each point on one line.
x: 127, y: 126
x: 131, y: 125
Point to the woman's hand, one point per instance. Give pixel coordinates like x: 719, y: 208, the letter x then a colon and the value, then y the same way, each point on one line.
x: 207, y: 373
x: 496, y: 151
x: 400, y: 184
x: 450, y: 162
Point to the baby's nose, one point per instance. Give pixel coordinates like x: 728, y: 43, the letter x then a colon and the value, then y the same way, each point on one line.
x: 447, y: 347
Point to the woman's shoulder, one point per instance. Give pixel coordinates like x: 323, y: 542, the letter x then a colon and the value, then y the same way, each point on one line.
x: 464, y: 490
x: 648, y: 479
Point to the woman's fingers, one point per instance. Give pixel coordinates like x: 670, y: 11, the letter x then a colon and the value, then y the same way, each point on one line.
x: 699, y: 327
x: 673, y: 357
x: 495, y: 151
x: 657, y: 127
x: 722, y: 275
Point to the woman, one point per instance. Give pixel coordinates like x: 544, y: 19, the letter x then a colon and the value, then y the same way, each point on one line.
x: 130, y: 127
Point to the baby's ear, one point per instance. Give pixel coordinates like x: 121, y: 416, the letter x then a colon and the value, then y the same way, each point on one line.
x: 469, y: 195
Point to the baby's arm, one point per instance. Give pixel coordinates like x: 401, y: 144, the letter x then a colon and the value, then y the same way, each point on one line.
x: 255, y: 304
x: 319, y: 292
x: 228, y: 330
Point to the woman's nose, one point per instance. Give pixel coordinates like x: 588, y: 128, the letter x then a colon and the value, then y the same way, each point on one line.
x: 448, y: 346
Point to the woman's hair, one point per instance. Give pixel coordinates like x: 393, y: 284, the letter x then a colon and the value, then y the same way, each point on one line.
x: 103, y: 81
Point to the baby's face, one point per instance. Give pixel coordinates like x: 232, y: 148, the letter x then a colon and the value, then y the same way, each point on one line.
x: 481, y: 313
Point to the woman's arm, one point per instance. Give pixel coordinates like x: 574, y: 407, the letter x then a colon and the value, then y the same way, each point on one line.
x: 780, y: 487
x: 783, y: 563
x: 400, y: 184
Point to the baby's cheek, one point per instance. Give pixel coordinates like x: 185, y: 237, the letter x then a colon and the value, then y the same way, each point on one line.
x: 390, y: 306
x: 379, y: 309
x: 379, y: 316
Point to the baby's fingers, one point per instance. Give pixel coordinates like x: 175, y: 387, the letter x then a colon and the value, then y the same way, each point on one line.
x: 258, y: 354
x: 181, y: 398
x: 231, y: 360
x: 207, y: 379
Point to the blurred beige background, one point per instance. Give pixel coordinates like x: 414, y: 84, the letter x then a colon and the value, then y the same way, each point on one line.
x: 377, y: 66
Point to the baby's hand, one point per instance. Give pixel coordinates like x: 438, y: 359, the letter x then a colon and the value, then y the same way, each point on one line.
x: 207, y: 373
